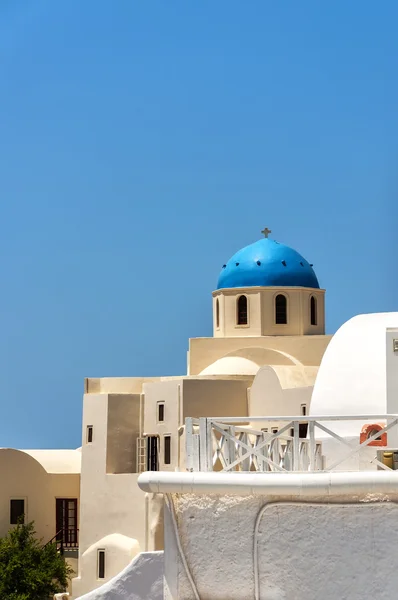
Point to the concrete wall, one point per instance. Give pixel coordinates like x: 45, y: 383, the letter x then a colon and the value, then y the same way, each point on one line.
x: 110, y: 503
x: 305, y: 349
x: 122, y: 434
x: 261, y: 312
x: 352, y: 376
x: 345, y: 549
x: 268, y: 397
x: 22, y: 476
x: 142, y: 579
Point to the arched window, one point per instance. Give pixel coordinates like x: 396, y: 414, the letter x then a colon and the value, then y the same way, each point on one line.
x: 281, y: 310
x: 217, y: 314
x: 313, y: 311
x: 242, y: 310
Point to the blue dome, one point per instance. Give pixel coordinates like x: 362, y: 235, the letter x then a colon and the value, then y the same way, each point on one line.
x: 267, y: 263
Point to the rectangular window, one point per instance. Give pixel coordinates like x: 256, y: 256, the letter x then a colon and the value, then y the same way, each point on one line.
x: 303, y: 410
x: 152, y: 453
x: 160, y: 412
x: 274, y: 430
x: 167, y: 449
x: 101, y: 564
x: 17, y: 511
x: 89, y: 434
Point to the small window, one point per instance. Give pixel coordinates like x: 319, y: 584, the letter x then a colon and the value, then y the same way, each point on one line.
x: 303, y: 429
x: 101, y: 564
x: 17, y: 511
x: 274, y: 430
x: 167, y: 449
x: 89, y: 434
x: 313, y: 310
x: 160, y: 412
x: 280, y: 310
x: 217, y: 314
x: 242, y: 310
x: 303, y: 410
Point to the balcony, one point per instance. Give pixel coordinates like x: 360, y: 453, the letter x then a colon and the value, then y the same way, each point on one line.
x: 233, y: 444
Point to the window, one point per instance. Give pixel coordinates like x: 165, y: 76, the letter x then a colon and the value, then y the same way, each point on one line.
x: 274, y: 430
x: 303, y: 410
x: 217, y: 314
x: 303, y: 429
x: 242, y: 310
x: 167, y: 449
x: 313, y: 310
x: 160, y: 412
x: 152, y: 453
x: 89, y: 434
x: 101, y: 564
x: 17, y: 511
x: 280, y: 310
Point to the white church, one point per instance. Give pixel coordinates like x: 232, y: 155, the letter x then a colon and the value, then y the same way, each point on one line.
x: 266, y: 472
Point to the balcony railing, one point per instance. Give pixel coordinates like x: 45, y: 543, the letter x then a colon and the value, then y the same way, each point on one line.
x: 233, y: 444
x: 65, y: 539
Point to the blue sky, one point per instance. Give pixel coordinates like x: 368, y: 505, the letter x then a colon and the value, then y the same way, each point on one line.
x: 143, y: 143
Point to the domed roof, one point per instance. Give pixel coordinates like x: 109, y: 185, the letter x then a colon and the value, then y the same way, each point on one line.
x: 267, y: 263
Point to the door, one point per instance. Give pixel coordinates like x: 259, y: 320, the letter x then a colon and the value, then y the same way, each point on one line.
x: 152, y: 453
x: 66, y: 521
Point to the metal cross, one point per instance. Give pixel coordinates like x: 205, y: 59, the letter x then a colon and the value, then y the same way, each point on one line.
x: 266, y: 232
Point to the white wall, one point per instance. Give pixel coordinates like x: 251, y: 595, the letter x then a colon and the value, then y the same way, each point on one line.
x: 109, y: 503
x: 142, y: 579
x: 352, y: 376
x: 305, y: 551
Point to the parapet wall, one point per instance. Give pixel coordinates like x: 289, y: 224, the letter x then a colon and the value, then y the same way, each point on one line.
x: 290, y: 548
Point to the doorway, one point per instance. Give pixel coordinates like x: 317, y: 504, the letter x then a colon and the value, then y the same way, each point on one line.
x: 66, y: 522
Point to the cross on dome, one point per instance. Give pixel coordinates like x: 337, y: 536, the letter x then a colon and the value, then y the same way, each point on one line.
x: 266, y: 232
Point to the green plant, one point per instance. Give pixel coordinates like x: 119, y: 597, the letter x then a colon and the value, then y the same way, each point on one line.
x: 30, y: 570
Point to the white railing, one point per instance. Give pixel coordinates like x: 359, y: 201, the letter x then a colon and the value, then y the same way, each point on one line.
x: 227, y: 444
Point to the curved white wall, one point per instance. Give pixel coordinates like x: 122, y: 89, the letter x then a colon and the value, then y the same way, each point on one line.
x: 352, y: 376
x: 142, y: 579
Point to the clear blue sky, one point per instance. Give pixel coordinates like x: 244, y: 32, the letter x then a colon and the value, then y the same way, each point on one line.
x: 143, y: 143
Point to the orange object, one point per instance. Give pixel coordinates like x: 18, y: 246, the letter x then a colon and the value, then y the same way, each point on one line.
x: 368, y: 430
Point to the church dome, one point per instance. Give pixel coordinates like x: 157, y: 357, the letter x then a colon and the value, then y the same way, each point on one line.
x: 267, y: 263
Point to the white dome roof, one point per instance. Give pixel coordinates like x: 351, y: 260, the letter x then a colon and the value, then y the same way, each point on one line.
x: 352, y: 376
x: 231, y: 365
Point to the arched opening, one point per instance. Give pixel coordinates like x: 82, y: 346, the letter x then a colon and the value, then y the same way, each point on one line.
x: 281, y: 310
x: 242, y: 310
x: 313, y: 311
x: 217, y: 314
x: 369, y: 431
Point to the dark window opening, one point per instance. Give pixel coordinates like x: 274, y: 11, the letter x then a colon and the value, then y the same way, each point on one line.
x: 217, y: 314
x: 303, y: 428
x: 281, y: 310
x: 101, y: 564
x: 303, y: 409
x: 17, y: 511
x: 161, y: 412
x: 313, y: 311
x: 89, y: 434
x: 152, y: 463
x: 167, y: 449
x: 242, y: 310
